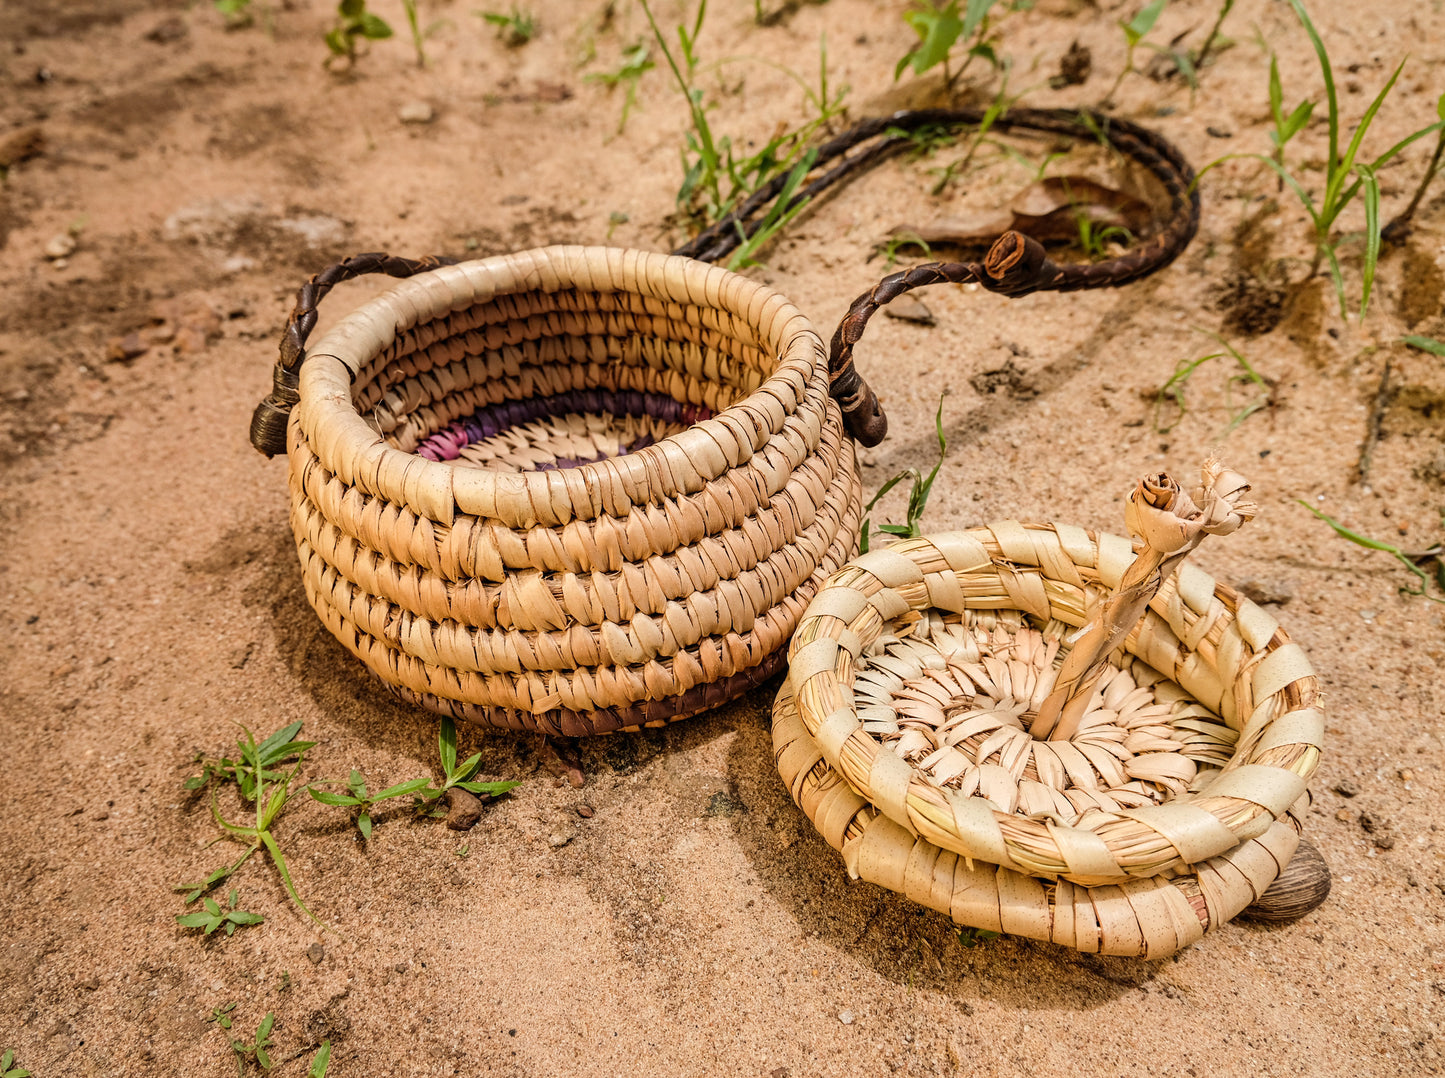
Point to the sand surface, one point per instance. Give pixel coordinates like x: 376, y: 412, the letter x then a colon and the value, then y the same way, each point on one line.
x: 687, y: 921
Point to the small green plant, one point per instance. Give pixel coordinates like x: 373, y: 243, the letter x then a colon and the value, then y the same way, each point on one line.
x: 514, y: 28
x: 716, y: 177
x: 364, y: 803
x: 257, y: 1048
x: 8, y: 1068
x: 269, y: 789
x: 1346, y: 177
x: 972, y: 937
x: 636, y: 61
x: 353, y: 24
x: 1171, y: 393
x: 212, y: 917
x: 917, y: 495
x: 412, y: 22
x: 460, y: 775
x: 1134, y: 31
x: 1417, y: 563
x: 939, y: 27
x: 424, y: 794
x: 271, y: 754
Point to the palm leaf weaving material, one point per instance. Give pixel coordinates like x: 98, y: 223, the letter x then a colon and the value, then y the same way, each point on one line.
x: 903, y: 733
x: 659, y: 482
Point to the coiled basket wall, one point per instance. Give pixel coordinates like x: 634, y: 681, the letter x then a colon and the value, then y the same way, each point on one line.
x: 574, y: 489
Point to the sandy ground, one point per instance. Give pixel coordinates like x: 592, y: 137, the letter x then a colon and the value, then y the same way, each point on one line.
x: 693, y: 924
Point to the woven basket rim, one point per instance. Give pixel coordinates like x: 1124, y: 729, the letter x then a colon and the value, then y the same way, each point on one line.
x: 438, y: 490
x: 1285, y: 725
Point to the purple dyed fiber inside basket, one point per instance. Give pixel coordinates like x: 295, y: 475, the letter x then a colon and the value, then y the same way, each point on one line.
x: 448, y: 443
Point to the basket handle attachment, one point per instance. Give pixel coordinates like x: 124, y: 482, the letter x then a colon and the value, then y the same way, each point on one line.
x: 1017, y: 265
x: 268, y: 422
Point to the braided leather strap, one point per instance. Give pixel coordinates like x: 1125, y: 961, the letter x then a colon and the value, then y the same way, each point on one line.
x: 268, y: 421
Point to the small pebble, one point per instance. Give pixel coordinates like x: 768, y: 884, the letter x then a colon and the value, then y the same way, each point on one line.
x: 909, y: 309
x: 316, y: 953
x: 586, y: 811
x: 1346, y: 788
x: 416, y: 112
x: 61, y: 246
x: 846, y: 1017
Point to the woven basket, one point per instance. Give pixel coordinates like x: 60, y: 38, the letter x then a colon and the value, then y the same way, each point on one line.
x: 575, y: 489
x: 1141, y: 867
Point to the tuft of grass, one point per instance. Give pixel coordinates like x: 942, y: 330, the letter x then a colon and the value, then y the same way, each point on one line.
x: 899, y: 241
x: 1171, y: 393
x: 917, y: 496
x: 354, y: 24
x: 1347, y: 177
x: 777, y: 217
x: 1417, y: 563
x: 636, y: 62
x: 716, y: 175
x: 460, y: 775
x: 1094, y: 238
x: 514, y: 28
x: 212, y: 917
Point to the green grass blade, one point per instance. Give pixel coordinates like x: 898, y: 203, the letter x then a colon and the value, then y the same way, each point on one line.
x: 495, y: 789
x: 974, y: 13
x: 328, y: 798
x: 1337, y: 176
x: 267, y: 749
x: 408, y: 787
x: 1426, y: 344
x: 320, y: 1061
x: 1142, y: 23
x: 1276, y: 97
x: 280, y: 862
x: 1393, y: 150
x: 1332, y: 97
x: 1372, y: 234
x: 1345, y: 533
x: 468, y: 766
x: 447, y: 745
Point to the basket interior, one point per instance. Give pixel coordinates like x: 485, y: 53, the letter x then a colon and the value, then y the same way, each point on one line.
x: 955, y: 695
x: 537, y: 379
